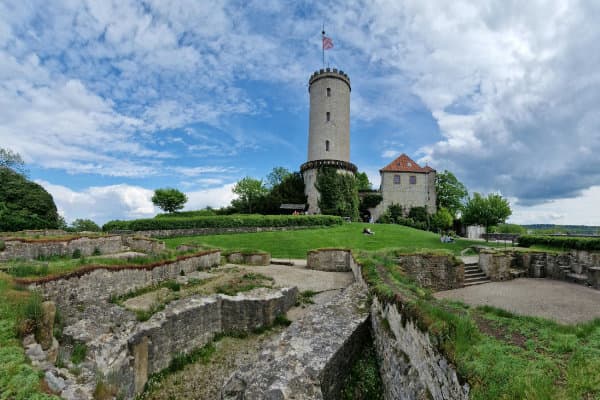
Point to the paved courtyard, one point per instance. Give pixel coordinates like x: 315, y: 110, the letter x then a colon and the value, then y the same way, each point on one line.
x: 563, y: 302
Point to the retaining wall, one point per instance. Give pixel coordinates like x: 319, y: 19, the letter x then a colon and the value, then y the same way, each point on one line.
x: 250, y: 259
x: 99, y: 283
x: 28, y: 249
x: 335, y: 260
x: 193, y: 322
x: 143, y: 244
x: 436, y: 272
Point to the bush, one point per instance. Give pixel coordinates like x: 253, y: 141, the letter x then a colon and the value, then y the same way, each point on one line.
x: 76, y: 253
x: 562, y: 242
x: 507, y: 228
x: 223, y: 221
x: 188, y: 214
x: 2, y: 245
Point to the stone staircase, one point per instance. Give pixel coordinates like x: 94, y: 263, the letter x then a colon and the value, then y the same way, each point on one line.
x: 474, y: 275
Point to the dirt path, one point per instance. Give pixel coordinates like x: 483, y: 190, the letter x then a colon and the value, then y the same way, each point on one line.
x: 563, y: 302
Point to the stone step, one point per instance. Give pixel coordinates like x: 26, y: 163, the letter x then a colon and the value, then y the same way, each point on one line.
x: 477, y: 282
x: 518, y: 273
x: 476, y: 279
x: 472, y: 264
x: 474, y: 273
x: 474, y: 269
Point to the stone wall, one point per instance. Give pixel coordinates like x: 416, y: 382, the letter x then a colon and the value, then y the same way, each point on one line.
x: 576, y: 266
x: 249, y: 258
x: 433, y: 271
x: 100, y: 283
x: 144, y: 244
x: 496, y: 266
x: 28, y: 249
x: 193, y: 322
x: 311, y: 358
x: 336, y: 260
x: 410, y: 366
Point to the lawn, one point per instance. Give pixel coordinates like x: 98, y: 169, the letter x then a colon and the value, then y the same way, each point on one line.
x: 295, y: 244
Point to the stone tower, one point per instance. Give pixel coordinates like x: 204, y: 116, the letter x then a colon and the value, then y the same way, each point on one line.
x: 328, y: 130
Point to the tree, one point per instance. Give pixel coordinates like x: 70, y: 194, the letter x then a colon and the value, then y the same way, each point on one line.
x: 362, y: 182
x: 289, y: 190
x: 249, y: 192
x: 24, y: 204
x: 486, y: 211
x: 442, y: 219
x: 80, y: 225
x: 338, y: 193
x: 12, y: 160
x: 451, y: 193
x: 277, y: 176
x: 169, y: 199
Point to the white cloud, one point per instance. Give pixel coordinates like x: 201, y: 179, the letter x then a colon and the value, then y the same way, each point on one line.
x: 104, y: 203
x: 390, y: 153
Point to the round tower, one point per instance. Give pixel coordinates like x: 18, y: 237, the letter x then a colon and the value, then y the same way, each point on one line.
x: 328, y: 130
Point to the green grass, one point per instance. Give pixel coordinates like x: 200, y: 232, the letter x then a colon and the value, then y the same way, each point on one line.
x: 57, y: 265
x: 18, y: 379
x: 295, y: 244
x: 502, y: 355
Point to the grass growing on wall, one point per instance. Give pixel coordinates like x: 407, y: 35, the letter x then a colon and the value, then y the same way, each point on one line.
x: 18, y: 379
x: 295, y: 244
x: 502, y: 355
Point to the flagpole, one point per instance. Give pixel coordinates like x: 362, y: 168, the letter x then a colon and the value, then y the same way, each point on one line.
x: 322, y: 44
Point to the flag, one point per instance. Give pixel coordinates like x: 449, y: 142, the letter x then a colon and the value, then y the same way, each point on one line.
x: 327, y: 43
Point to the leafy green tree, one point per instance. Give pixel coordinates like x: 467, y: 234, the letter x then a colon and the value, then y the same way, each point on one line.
x: 362, y: 182
x: 442, y: 219
x: 486, y: 211
x: 12, y: 160
x: 24, y: 204
x: 169, y: 199
x: 250, y: 191
x: 419, y: 214
x: 289, y: 190
x: 80, y: 225
x: 451, y: 193
x: 277, y: 176
x: 338, y: 193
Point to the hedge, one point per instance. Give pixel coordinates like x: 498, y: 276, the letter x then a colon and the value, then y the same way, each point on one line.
x: 563, y: 242
x: 222, y: 221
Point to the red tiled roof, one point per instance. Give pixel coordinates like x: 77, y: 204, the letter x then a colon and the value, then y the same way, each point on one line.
x: 405, y: 164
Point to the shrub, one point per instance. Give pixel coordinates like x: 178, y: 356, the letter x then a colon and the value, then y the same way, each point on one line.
x: 562, y: 242
x: 96, y: 252
x: 76, y: 253
x: 79, y: 353
x: 223, y: 221
x: 507, y: 228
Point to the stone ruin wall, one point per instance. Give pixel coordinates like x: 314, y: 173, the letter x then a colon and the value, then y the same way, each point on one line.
x: 31, y: 249
x: 102, y: 283
x: 505, y: 265
x: 333, y: 260
x: 167, y: 233
x: 433, y: 271
x: 193, y: 322
x: 249, y: 259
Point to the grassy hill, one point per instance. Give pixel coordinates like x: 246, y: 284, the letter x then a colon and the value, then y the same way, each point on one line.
x: 295, y: 244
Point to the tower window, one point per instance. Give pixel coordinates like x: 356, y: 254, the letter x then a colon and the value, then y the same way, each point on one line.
x: 327, y: 145
x: 328, y: 92
x: 413, y: 180
x: 397, y: 179
x: 328, y: 116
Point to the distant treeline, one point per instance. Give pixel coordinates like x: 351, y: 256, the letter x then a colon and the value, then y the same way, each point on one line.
x: 566, y: 229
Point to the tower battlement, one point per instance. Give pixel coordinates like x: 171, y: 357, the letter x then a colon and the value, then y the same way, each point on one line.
x: 329, y: 73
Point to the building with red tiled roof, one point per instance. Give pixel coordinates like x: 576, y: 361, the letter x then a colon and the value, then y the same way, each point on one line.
x: 406, y: 183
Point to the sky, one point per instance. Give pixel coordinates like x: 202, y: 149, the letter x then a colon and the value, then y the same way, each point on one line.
x: 108, y: 100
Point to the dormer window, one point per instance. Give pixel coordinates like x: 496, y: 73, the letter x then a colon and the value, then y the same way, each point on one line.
x: 409, y: 164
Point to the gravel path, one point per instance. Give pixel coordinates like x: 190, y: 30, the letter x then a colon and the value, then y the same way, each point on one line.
x: 563, y: 302
x: 305, y: 279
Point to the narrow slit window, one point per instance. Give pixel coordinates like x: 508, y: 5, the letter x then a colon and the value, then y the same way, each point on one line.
x: 328, y: 92
x: 397, y: 179
x: 328, y: 116
x: 327, y: 145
